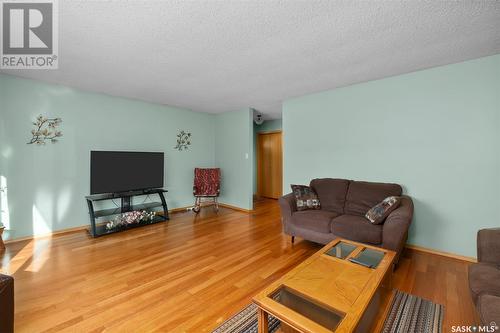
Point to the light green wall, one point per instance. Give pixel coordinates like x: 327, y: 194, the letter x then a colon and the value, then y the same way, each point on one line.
x: 436, y: 132
x: 234, y: 155
x: 47, y: 185
x: 4, y: 209
x: 266, y: 126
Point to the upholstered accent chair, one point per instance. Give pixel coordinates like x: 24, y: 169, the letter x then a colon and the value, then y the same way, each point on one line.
x: 6, y: 304
x: 484, y: 277
x: 206, y: 185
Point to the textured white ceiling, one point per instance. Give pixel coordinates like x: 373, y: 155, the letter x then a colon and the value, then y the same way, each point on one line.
x: 216, y: 56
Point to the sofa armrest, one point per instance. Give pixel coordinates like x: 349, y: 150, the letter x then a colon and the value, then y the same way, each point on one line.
x: 288, y: 206
x: 395, y: 230
x: 6, y: 303
x: 488, y: 246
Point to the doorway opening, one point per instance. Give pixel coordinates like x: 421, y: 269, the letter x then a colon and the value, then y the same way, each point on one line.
x: 269, y: 164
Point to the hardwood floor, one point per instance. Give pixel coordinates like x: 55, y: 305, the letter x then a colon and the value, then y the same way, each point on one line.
x: 186, y: 275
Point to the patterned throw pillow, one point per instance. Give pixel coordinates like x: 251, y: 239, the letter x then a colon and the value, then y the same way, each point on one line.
x: 305, y: 197
x: 378, y: 213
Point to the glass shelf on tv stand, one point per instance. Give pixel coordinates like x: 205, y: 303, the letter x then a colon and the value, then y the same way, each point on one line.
x: 149, y: 206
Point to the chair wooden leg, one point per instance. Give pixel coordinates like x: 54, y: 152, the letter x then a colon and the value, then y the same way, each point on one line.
x: 293, y: 239
x: 216, y: 202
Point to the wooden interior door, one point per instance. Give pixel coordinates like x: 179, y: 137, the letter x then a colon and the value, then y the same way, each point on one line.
x: 269, y: 165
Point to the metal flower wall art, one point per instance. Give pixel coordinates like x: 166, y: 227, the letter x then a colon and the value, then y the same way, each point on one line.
x: 46, y: 129
x: 183, y: 141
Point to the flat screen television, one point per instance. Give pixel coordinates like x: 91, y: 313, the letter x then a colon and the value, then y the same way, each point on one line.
x: 123, y: 171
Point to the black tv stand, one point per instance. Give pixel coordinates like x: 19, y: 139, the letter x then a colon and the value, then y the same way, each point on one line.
x: 99, y: 218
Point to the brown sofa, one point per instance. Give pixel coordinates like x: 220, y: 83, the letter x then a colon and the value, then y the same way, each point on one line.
x: 484, y: 277
x: 6, y: 304
x: 343, y: 206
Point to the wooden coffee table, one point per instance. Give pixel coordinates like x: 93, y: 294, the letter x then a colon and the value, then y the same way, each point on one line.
x: 327, y: 292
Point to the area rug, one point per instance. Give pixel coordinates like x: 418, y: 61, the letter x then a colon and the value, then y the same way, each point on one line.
x: 246, y: 321
x: 407, y: 314
x: 413, y: 314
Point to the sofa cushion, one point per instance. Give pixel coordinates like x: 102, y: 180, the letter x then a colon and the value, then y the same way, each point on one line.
x: 489, y: 309
x: 483, y: 278
x: 331, y: 192
x: 378, y: 213
x: 361, y: 196
x: 357, y: 228
x: 305, y: 197
x: 316, y: 220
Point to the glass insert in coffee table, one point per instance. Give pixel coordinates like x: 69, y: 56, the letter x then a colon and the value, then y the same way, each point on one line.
x: 323, y: 316
x: 368, y: 257
x: 341, y: 250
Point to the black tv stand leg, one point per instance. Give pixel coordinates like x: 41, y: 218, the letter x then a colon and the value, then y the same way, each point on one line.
x: 164, y: 204
x: 92, y: 230
x: 126, y: 204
